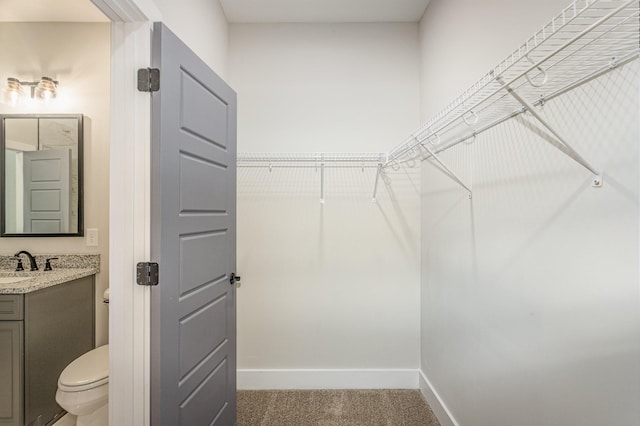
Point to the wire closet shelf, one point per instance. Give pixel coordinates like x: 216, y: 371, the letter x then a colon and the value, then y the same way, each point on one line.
x: 319, y: 161
x: 255, y: 159
x: 586, y: 40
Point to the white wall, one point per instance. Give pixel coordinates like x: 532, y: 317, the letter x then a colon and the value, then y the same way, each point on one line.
x: 530, y: 290
x: 78, y: 56
x: 331, y: 286
x: 335, y: 88
x: 202, y: 25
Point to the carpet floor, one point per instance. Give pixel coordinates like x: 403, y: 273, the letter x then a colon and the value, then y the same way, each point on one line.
x: 334, y: 408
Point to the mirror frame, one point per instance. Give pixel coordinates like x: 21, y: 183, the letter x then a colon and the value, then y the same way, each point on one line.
x: 80, y: 119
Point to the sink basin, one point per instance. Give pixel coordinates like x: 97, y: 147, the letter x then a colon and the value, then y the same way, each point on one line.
x: 9, y: 280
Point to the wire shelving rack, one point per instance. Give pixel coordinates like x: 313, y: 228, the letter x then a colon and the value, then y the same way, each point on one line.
x: 274, y: 160
x: 586, y: 40
x: 319, y: 160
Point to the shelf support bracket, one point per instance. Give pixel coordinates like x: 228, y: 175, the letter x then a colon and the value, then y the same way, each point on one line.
x: 322, y: 183
x: 448, y: 171
x: 375, y: 185
x: 563, y: 145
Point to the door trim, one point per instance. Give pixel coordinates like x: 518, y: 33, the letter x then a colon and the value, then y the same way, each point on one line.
x: 128, y: 229
x: 129, y: 218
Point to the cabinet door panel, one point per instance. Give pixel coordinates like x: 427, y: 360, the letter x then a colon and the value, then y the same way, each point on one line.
x: 10, y: 307
x: 11, y: 356
x: 60, y: 326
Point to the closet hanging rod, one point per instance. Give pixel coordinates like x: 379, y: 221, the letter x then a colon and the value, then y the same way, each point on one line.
x: 404, y: 147
x: 319, y: 161
x: 311, y: 159
x: 629, y: 57
x: 486, y: 80
x: 309, y: 166
x: 461, y: 110
x: 568, y: 43
x: 623, y: 61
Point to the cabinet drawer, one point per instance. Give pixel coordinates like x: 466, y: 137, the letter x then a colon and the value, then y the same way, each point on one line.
x: 11, y: 307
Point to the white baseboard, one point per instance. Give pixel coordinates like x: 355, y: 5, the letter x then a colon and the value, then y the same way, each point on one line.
x: 327, y: 379
x: 435, y: 402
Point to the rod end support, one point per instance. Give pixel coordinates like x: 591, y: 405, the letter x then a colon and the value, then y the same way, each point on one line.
x: 596, y: 182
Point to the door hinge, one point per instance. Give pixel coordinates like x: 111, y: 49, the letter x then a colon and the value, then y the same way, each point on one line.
x: 147, y: 273
x: 148, y: 79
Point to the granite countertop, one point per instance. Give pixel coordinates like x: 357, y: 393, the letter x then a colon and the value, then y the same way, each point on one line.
x: 39, y: 279
x: 66, y: 268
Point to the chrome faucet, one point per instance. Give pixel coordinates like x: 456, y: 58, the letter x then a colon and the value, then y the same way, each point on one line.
x: 32, y: 260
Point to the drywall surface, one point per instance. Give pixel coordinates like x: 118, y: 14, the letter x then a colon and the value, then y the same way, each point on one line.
x: 76, y: 54
x: 201, y: 25
x: 315, y: 87
x: 334, y: 285
x: 530, y: 289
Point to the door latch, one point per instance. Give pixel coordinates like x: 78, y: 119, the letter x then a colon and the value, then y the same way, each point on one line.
x: 147, y: 273
x: 234, y: 278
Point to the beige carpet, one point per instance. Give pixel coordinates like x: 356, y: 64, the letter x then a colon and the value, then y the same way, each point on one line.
x: 334, y: 408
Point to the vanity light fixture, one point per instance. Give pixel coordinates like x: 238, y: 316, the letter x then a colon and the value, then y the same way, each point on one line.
x: 13, y: 92
x: 44, y: 89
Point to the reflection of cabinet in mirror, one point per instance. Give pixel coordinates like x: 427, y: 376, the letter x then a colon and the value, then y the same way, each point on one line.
x: 42, y: 175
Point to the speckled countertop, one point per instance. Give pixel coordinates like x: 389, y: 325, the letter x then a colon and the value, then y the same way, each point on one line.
x: 66, y: 268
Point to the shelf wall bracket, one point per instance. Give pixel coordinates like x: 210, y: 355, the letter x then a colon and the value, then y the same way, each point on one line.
x: 322, y: 183
x: 563, y: 145
x: 448, y: 171
x: 375, y: 185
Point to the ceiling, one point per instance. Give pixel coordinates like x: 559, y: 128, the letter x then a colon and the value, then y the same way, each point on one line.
x: 236, y: 11
x: 50, y: 11
x: 325, y: 11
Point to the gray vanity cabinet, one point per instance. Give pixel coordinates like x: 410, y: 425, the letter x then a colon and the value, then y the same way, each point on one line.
x: 11, y: 344
x: 41, y: 332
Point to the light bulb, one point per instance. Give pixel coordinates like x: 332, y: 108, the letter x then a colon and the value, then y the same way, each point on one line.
x: 13, y: 92
x: 46, y: 89
x: 13, y: 98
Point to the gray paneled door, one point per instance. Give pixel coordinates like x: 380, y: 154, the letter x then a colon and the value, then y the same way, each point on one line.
x: 193, y: 238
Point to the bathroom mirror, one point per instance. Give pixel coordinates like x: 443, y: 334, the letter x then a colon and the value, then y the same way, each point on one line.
x: 41, y: 172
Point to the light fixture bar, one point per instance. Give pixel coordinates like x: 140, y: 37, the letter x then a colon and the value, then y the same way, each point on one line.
x: 44, y: 89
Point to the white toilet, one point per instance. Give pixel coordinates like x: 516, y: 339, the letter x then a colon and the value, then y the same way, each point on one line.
x: 83, y: 386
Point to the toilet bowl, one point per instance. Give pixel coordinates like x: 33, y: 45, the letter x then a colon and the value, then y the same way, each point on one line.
x: 83, y: 388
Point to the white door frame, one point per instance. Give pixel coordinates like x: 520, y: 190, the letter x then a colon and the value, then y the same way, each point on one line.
x: 129, y: 219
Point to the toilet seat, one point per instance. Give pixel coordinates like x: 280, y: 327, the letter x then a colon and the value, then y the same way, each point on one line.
x: 86, y: 372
